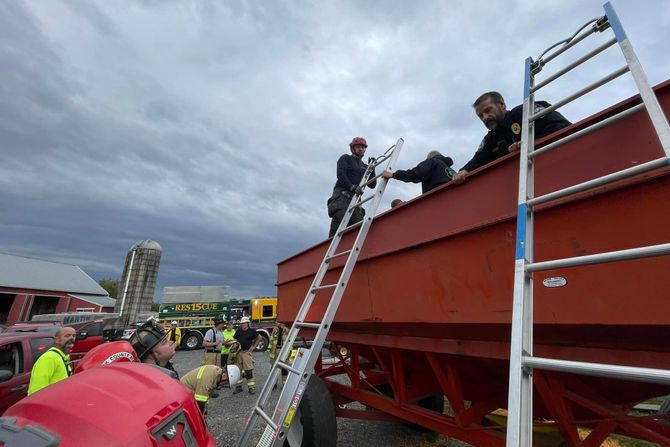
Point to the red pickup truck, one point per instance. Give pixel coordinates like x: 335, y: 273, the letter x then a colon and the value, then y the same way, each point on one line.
x: 18, y: 352
x: 21, y: 345
x: 89, y: 334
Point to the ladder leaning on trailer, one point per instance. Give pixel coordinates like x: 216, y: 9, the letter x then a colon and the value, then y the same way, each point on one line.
x: 280, y: 420
x: 522, y: 361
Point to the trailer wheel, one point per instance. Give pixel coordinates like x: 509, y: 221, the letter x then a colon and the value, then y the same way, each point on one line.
x: 192, y: 340
x: 315, y: 424
x: 263, y: 345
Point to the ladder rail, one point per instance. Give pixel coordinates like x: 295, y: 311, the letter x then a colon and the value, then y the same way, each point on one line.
x: 522, y: 361
x: 306, y: 368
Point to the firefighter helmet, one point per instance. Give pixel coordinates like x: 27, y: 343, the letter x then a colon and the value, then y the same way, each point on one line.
x: 146, y: 337
x: 107, y: 353
x: 245, y: 320
x: 233, y: 372
x: 358, y: 141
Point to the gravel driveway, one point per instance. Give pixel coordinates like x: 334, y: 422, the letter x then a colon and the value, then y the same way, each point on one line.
x: 227, y: 413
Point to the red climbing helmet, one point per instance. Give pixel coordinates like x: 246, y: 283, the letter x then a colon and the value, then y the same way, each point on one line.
x: 358, y: 141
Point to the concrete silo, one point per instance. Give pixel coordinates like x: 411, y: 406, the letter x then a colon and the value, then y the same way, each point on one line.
x: 136, y: 289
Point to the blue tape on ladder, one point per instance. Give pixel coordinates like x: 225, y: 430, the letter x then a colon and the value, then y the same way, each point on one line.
x: 521, y: 232
x: 614, y: 22
x: 526, y: 82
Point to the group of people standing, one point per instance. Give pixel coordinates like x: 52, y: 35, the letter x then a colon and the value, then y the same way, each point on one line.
x: 503, y: 137
x: 224, y: 345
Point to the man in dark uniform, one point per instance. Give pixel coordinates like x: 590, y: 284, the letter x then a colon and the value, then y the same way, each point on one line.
x: 504, y: 127
x: 350, y: 170
x: 434, y: 171
x: 248, y: 338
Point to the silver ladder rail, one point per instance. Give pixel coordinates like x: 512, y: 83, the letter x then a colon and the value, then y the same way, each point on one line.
x: 279, y: 423
x: 522, y: 361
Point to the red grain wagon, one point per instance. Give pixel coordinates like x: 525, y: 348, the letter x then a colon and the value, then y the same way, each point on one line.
x: 427, y: 311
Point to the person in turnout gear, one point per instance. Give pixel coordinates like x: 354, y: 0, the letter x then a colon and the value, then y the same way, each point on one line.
x: 152, y: 346
x: 174, y: 334
x: 213, y: 343
x: 434, y: 171
x: 203, y: 380
x: 279, y: 333
x: 350, y: 170
x: 248, y: 339
x: 504, y: 127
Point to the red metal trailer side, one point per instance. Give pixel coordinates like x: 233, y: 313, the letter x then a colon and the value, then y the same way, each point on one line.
x: 428, y: 308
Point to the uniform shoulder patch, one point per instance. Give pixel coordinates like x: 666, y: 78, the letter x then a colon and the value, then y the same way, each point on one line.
x: 516, y: 128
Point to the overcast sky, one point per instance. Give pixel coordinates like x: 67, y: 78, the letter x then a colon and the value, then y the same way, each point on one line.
x: 214, y: 127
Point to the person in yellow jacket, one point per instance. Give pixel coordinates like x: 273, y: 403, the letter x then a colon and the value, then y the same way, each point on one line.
x: 228, y: 341
x: 203, y: 380
x: 54, y: 365
x: 174, y: 334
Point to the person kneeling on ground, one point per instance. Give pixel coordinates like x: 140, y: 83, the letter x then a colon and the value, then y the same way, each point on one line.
x: 434, y: 171
x: 203, y: 380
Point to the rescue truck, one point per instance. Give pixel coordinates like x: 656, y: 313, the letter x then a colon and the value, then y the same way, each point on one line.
x: 194, y: 319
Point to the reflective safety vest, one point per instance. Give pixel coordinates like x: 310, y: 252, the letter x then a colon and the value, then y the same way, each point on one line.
x: 52, y: 366
x: 227, y: 336
x: 201, y: 381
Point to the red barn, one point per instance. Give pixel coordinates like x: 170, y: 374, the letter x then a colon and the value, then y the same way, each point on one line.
x: 31, y: 286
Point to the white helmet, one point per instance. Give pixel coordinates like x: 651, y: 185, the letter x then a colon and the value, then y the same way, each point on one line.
x: 233, y: 375
x: 245, y: 320
x: 174, y: 323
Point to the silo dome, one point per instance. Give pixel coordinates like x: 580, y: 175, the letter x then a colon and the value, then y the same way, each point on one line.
x: 147, y: 244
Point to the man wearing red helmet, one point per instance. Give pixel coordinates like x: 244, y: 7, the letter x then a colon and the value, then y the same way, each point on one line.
x: 350, y: 170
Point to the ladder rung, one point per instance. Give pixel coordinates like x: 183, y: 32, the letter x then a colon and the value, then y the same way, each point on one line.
x: 582, y: 92
x: 259, y: 411
x: 605, y: 179
x: 586, y: 130
x: 351, y: 227
x: 327, y: 286
x: 601, y: 258
x: 362, y: 202
x: 305, y: 324
x: 288, y: 367
x: 337, y: 255
x: 637, y: 374
x: 576, y: 63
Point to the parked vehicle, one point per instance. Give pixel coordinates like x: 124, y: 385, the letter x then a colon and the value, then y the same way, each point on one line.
x: 31, y: 326
x: 194, y: 319
x: 164, y: 413
x: 18, y: 353
x: 89, y: 334
x: 193, y: 331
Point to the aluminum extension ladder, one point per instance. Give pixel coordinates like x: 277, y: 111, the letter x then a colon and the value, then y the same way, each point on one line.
x: 522, y: 361
x: 279, y: 423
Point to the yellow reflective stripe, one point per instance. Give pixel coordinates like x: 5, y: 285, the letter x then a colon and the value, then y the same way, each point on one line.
x: 201, y: 398
x: 201, y: 371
